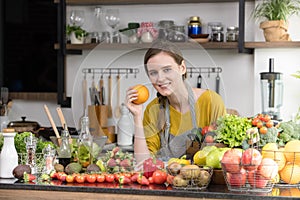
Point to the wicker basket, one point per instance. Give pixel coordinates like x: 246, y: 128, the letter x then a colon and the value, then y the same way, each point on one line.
x: 191, y: 179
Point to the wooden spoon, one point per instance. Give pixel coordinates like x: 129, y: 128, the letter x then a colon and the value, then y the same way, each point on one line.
x: 117, y: 109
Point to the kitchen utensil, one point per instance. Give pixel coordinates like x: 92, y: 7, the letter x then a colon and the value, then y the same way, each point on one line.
x: 199, y: 81
x: 24, y: 126
x: 117, y: 109
x: 51, y: 121
x: 218, y: 83
x: 62, y: 118
x: 109, y: 96
x: 101, y: 85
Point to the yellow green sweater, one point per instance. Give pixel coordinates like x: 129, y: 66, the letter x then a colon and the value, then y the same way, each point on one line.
x: 209, y: 106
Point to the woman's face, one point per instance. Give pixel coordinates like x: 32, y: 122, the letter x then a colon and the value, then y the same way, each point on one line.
x: 164, y: 73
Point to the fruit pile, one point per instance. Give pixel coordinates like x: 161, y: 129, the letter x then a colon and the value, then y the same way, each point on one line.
x: 287, y: 159
x: 248, y: 170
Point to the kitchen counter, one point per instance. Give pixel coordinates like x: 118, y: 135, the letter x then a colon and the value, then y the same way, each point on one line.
x: 12, y: 189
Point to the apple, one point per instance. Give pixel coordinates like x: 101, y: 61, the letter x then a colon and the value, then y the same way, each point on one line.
x: 251, y: 159
x: 237, y: 179
x: 268, y: 168
x: 231, y: 160
x: 256, y: 180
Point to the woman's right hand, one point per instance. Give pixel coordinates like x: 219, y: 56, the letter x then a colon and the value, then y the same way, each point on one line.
x: 135, y: 109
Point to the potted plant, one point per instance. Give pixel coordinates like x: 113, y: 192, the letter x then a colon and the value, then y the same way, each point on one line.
x: 276, y: 14
x: 76, y: 34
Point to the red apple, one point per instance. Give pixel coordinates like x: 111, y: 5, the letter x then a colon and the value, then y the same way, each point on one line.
x: 237, y: 179
x: 256, y: 180
x: 251, y: 159
x: 231, y: 160
x: 268, y: 168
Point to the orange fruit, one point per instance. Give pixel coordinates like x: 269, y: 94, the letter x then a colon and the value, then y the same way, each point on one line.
x: 143, y: 94
x: 289, y: 192
x: 292, y: 151
x: 290, y: 174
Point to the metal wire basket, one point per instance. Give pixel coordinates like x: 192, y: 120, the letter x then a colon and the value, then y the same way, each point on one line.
x: 191, y: 178
x: 244, y: 180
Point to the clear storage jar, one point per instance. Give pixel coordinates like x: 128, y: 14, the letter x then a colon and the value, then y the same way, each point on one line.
x: 177, y: 34
x: 217, y: 34
x: 232, y: 34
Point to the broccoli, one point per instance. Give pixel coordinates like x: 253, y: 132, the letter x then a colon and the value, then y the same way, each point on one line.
x: 289, y: 131
x: 269, y: 137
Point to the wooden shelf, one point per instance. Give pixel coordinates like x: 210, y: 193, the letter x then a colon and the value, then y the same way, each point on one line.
x: 256, y: 45
x: 40, y: 96
x: 132, y: 2
x: 184, y: 45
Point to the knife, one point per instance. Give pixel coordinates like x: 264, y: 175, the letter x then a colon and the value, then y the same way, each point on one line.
x: 199, y: 81
x: 218, y: 84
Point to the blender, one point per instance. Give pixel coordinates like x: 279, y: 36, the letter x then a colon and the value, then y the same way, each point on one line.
x: 271, y: 91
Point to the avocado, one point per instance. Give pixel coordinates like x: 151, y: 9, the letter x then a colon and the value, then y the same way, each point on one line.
x: 59, y: 167
x: 73, y: 168
x: 92, y: 168
x: 19, y: 170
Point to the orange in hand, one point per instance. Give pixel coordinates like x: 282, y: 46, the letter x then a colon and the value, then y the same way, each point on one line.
x: 143, y: 94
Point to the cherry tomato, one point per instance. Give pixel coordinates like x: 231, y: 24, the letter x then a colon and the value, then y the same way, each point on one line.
x: 159, y: 176
x: 263, y: 130
x: 70, y: 178
x: 109, y: 178
x: 255, y: 121
x: 91, y: 178
x: 100, y: 178
x: 80, y: 178
x: 150, y: 179
x: 270, y: 124
x: 267, y: 118
x: 170, y: 179
x: 259, y: 124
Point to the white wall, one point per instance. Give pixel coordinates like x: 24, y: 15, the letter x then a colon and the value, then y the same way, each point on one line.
x: 240, y: 76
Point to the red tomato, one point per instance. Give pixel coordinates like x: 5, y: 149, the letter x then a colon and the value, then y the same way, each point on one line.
x: 263, y: 130
x: 150, y: 179
x: 259, y: 124
x: 100, y: 178
x: 255, y: 121
x: 159, y: 176
x: 80, y: 178
x: 91, y: 178
x: 267, y: 118
x: 70, y: 178
x: 109, y: 178
x: 270, y: 124
x: 170, y: 179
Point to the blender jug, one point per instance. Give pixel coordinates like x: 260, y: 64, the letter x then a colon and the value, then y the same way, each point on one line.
x: 271, y: 91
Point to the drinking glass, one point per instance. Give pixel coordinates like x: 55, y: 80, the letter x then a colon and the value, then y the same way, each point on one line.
x: 77, y: 17
x: 112, y: 19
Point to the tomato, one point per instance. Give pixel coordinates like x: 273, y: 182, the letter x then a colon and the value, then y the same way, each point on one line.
x: 100, y: 178
x: 270, y: 124
x: 263, y: 130
x: 159, y: 176
x: 80, y: 178
x: 170, y: 179
x: 267, y: 118
x: 255, y: 121
x: 70, y: 178
x: 150, y: 165
x: 150, y: 179
x: 259, y: 124
x: 91, y: 178
x: 109, y: 178
x: 127, y: 174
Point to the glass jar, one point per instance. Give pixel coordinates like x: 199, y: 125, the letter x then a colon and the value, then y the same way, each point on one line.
x: 217, y: 34
x: 232, y: 34
x: 164, y: 28
x: 194, y: 27
x: 209, y: 27
x: 85, y: 142
x: 177, y: 34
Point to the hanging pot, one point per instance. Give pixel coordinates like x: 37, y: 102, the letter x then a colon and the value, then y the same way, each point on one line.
x: 275, y: 30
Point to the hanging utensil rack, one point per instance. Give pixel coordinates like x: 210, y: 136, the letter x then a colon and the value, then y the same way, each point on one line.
x: 111, y: 71
x: 203, y: 70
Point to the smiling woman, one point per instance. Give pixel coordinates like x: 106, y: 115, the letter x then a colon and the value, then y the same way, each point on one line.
x: 29, y: 59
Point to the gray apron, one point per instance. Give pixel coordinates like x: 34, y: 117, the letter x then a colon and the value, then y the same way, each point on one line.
x: 176, y: 146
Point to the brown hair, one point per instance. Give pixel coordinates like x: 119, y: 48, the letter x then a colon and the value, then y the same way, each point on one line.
x: 166, y: 47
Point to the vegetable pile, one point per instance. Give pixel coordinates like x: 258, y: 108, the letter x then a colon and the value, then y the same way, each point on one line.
x: 231, y: 130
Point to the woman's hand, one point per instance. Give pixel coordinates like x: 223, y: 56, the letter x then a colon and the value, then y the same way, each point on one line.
x: 131, y: 95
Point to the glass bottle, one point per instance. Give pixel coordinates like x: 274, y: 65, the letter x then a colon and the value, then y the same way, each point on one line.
x: 85, y: 143
x: 64, y: 153
x: 9, y: 155
x: 49, y: 156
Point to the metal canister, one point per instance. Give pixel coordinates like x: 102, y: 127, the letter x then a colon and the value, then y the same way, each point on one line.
x: 194, y: 27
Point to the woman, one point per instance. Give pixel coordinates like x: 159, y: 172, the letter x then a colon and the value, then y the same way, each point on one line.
x: 171, y: 119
